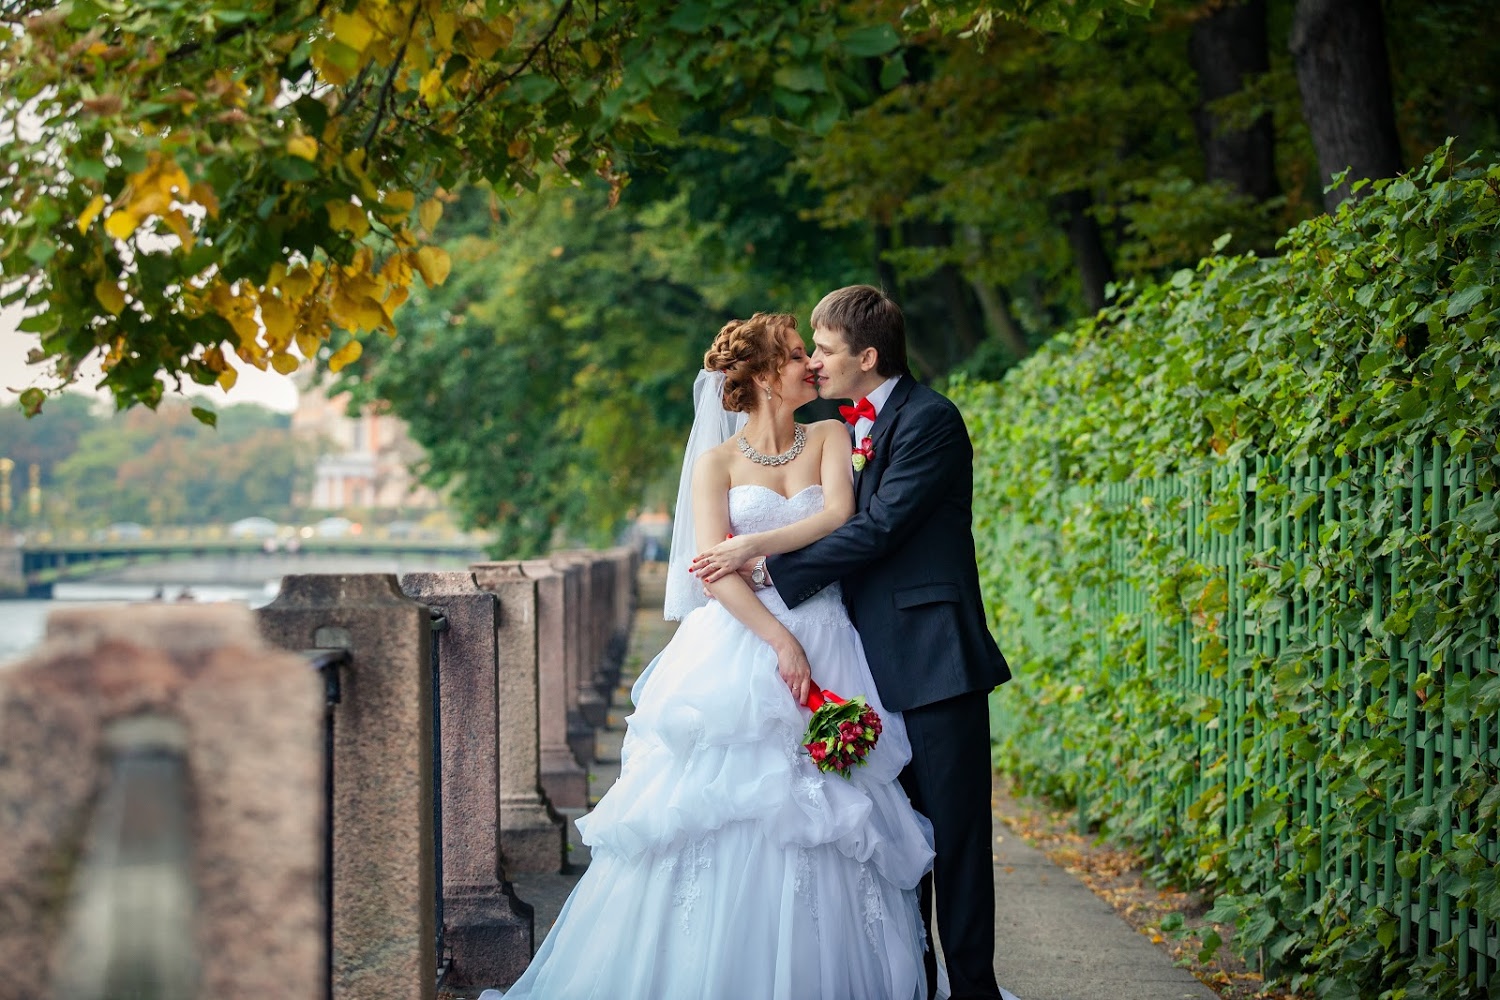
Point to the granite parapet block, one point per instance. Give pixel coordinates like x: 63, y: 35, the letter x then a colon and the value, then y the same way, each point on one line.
x: 532, y: 835
x: 488, y: 930
x: 384, y: 865
x: 206, y: 742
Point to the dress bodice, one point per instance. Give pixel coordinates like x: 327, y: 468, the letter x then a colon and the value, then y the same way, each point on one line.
x: 755, y: 508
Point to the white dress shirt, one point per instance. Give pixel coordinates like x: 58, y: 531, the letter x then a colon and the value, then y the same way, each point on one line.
x: 877, y: 399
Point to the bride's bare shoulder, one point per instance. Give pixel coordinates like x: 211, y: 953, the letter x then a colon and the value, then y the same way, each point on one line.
x: 715, y: 461
x: 835, y: 431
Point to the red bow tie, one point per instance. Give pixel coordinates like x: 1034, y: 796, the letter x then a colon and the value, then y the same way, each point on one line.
x: 863, y: 408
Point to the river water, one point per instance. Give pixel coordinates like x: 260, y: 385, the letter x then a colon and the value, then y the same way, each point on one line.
x: 22, y: 622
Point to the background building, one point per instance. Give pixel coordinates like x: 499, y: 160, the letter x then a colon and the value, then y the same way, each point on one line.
x: 365, y: 460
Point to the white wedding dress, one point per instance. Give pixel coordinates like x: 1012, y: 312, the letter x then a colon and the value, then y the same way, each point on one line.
x: 724, y: 864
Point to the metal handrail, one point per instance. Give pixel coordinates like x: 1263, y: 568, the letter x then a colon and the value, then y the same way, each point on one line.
x: 328, y: 662
x: 129, y: 931
x: 438, y: 623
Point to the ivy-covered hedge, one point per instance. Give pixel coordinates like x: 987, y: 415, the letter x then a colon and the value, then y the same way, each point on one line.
x: 1240, y: 536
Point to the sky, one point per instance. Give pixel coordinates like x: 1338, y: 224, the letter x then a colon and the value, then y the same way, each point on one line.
x: 266, y: 388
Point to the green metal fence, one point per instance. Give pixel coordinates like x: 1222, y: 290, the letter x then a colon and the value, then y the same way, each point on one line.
x: 1275, y: 639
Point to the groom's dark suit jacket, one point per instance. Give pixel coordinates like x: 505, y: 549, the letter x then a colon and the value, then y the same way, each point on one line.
x: 906, y: 557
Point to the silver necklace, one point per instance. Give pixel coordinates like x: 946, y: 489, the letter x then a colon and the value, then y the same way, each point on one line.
x: 799, y: 438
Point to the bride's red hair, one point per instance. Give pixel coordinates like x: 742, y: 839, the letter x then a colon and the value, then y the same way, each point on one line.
x: 747, y: 349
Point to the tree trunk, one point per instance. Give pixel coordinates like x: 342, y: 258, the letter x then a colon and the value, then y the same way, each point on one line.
x: 1095, y: 270
x: 997, y: 318
x: 889, y: 281
x: 1227, y: 48
x: 965, y: 322
x: 944, y: 324
x: 1344, y: 74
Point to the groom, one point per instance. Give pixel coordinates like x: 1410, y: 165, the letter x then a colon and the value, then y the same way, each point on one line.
x: 906, y: 561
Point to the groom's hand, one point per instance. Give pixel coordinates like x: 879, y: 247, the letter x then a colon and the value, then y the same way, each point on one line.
x: 746, y: 573
x: 729, y: 556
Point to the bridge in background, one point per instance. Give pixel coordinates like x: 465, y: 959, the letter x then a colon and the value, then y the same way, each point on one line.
x: 32, y: 570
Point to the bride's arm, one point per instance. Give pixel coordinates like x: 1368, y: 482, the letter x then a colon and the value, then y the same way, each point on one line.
x: 711, y: 522
x: 728, y: 555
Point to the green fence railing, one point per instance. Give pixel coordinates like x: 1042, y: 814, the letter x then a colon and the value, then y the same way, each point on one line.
x: 1286, y: 676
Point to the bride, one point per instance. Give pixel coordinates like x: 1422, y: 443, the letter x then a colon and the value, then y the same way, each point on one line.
x: 724, y: 863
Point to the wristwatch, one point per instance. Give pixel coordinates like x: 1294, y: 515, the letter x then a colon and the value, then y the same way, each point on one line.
x: 758, y: 573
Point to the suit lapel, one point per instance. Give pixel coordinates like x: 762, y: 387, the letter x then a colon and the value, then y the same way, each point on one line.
x: 888, y: 412
x: 864, y: 483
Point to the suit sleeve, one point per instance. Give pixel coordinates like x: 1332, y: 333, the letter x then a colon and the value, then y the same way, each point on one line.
x: 926, y: 453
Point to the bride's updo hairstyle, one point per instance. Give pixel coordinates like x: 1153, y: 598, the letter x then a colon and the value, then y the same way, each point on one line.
x: 747, y: 349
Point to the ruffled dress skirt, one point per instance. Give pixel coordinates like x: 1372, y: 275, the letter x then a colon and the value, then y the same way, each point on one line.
x: 725, y: 865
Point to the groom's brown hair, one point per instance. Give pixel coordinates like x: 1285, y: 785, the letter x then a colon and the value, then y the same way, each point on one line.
x: 867, y: 317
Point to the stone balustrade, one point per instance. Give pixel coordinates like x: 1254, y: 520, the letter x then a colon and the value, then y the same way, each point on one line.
x: 161, y: 810
x: 350, y: 835
x: 384, y: 868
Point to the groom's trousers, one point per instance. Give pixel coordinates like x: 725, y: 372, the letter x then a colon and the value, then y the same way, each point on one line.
x: 949, y: 782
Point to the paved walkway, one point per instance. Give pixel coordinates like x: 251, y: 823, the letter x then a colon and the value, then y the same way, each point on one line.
x: 1054, y: 939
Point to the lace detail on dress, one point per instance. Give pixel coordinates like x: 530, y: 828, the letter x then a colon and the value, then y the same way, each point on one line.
x: 683, y: 868
x: 755, y: 508
x: 874, y: 912
x: 803, y: 884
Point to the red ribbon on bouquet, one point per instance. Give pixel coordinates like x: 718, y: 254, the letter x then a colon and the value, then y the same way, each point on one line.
x: 817, y: 696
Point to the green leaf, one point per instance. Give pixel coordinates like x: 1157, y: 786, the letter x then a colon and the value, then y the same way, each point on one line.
x: 294, y: 169
x: 41, y: 251
x: 206, y: 416
x: 802, y: 78
x: 535, y: 87
x: 90, y: 169
x: 892, y: 72
x: 1339, y: 989
x: 1226, y: 909
x: 1256, y: 928
x: 1466, y: 299
x: 875, y: 40
x: 1211, y: 944
x: 691, y: 17
x: 44, y: 322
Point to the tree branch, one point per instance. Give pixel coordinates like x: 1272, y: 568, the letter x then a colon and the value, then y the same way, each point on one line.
x: 230, y: 34
x: 390, y: 79
x: 500, y: 78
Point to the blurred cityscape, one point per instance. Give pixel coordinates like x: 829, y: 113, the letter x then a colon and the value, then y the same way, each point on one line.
x: 79, y: 473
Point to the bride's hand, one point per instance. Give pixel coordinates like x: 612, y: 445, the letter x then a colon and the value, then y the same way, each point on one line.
x: 791, y: 663
x: 723, y: 559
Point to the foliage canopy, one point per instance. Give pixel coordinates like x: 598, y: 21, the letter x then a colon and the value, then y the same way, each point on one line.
x: 184, y: 180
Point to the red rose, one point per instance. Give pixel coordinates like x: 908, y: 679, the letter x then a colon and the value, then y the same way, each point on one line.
x: 818, y: 750
x: 850, y: 731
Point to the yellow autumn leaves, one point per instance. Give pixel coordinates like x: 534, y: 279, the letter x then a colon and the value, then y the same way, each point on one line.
x: 159, y: 191
x: 377, y: 31
x: 327, y: 176
x: 300, y: 306
x: 299, y: 303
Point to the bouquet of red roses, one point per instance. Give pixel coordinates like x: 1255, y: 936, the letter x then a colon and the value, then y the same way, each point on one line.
x: 840, y: 732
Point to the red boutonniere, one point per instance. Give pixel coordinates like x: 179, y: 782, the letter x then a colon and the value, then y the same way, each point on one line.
x: 863, y: 454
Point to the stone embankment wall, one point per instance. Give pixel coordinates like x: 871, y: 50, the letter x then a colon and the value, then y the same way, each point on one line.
x: 189, y: 807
